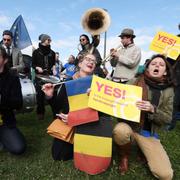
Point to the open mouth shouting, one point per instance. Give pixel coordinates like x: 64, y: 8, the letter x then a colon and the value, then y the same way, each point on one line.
x: 156, y: 71
x: 90, y: 65
x: 157, y: 67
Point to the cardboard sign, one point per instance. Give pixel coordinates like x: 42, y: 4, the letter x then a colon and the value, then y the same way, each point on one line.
x: 115, y: 99
x: 167, y: 44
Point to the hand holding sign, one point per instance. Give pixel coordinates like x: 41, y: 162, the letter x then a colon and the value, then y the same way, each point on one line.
x: 115, y: 99
x: 145, y: 106
x: 166, y: 44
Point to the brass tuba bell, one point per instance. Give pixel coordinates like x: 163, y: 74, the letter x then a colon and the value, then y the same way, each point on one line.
x: 96, y: 21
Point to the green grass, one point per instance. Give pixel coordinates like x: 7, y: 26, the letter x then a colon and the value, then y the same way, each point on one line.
x: 37, y: 162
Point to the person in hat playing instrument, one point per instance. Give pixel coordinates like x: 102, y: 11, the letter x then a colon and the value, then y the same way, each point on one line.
x: 126, y: 60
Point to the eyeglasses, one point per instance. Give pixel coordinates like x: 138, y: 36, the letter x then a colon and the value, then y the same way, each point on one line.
x: 82, y: 39
x: 49, y: 40
x: 4, y: 39
x: 90, y: 60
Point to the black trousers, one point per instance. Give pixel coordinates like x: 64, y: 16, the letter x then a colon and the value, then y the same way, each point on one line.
x: 12, y: 139
x: 62, y: 150
x: 40, y: 97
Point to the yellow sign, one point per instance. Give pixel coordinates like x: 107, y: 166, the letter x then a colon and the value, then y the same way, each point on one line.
x: 167, y: 44
x: 115, y: 99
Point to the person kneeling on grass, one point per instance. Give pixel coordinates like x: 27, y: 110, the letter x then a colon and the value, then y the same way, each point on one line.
x: 156, y: 110
x: 62, y: 150
x: 11, y: 138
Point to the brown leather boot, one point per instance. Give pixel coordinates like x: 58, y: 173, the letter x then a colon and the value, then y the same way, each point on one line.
x: 124, y: 152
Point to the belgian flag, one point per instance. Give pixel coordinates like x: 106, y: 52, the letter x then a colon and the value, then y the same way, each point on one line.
x: 93, y: 146
x: 79, y: 112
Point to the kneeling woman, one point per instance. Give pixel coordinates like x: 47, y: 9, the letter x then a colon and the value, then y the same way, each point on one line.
x: 156, y: 110
x: 10, y: 99
x: 62, y: 150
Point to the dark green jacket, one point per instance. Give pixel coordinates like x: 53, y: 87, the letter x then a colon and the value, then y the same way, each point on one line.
x: 163, y: 112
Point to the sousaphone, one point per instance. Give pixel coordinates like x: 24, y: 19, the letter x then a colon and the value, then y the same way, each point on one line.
x: 96, y: 21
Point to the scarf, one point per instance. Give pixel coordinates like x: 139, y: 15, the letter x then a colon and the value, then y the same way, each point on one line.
x: 45, y: 50
x: 156, y: 85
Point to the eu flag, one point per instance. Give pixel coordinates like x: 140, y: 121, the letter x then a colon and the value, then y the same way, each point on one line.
x: 21, y: 38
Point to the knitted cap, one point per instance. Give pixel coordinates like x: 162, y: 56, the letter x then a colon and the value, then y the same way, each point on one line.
x: 44, y: 37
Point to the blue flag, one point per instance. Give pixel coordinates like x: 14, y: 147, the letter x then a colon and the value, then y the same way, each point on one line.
x: 21, y: 38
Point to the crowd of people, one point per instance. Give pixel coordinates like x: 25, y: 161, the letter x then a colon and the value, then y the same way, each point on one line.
x: 159, y: 105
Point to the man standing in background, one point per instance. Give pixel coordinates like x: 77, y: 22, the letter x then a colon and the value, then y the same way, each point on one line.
x: 43, y: 62
x: 58, y: 66
x: 15, y: 58
x: 127, y: 59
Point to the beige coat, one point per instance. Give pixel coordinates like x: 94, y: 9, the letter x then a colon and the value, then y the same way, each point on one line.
x: 126, y: 65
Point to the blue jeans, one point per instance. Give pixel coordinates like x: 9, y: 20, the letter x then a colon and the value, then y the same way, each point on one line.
x: 12, y: 140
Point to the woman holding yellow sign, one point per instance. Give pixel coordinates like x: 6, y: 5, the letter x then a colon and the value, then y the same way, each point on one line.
x: 156, y: 110
x: 91, y: 146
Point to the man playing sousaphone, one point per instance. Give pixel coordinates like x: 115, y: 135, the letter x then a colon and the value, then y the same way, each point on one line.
x: 95, y: 21
x: 86, y: 47
x: 126, y: 60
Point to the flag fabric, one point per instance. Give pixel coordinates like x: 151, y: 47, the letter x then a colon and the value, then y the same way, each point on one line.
x: 21, y: 38
x: 79, y: 112
x: 93, y: 146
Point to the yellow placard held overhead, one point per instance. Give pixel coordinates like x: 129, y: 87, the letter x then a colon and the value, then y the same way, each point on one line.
x: 115, y: 99
x: 167, y: 44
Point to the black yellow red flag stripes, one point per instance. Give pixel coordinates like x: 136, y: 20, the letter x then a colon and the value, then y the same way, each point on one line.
x: 93, y: 146
x: 79, y: 112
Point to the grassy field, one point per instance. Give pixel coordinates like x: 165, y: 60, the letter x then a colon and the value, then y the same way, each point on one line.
x: 37, y: 162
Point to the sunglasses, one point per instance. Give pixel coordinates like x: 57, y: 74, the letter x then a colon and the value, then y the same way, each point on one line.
x: 82, y: 39
x: 4, y: 39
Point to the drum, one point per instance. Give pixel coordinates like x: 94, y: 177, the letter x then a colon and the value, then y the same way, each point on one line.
x: 29, y: 95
